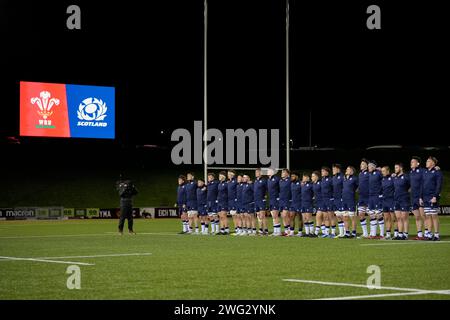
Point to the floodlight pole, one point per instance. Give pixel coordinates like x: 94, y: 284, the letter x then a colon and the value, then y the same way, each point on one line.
x: 205, y: 92
x: 288, y: 147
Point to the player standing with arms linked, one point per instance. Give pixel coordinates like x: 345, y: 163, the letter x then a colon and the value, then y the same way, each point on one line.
x: 327, y: 200
x: 211, y: 199
x: 338, y: 180
x: 232, y: 196
x: 238, y: 220
x: 249, y: 207
x: 307, y: 204
x: 222, y: 203
x: 202, y: 206
x: 375, y: 195
x: 387, y: 201
x: 259, y: 193
x: 402, y: 201
x: 363, y: 190
x: 273, y: 187
x: 191, y: 202
x: 296, y: 206
x: 432, y: 185
x: 318, y: 203
x: 181, y: 203
x: 349, y: 186
x: 416, y: 178
x: 285, y: 199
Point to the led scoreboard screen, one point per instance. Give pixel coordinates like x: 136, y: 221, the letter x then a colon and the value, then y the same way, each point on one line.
x: 67, y: 110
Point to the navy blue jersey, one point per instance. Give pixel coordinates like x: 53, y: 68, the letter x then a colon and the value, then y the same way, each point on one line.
x: 338, y: 180
x: 375, y: 183
x: 416, y: 180
x: 363, y: 181
x: 387, y: 186
x: 222, y: 194
x: 191, y: 191
x: 247, y: 193
x: 296, y: 193
x: 285, y: 189
x: 273, y: 186
x: 239, y: 189
x: 432, y: 184
x: 327, y: 187
x: 212, y: 191
x: 181, y: 195
x: 307, y: 193
x: 349, y: 186
x: 401, y: 187
x: 201, y: 197
x: 232, y: 185
x: 260, y: 189
x: 317, y: 189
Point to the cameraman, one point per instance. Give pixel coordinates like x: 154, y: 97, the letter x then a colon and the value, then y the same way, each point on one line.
x: 126, y: 191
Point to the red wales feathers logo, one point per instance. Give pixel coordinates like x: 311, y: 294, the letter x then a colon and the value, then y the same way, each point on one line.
x: 45, y: 104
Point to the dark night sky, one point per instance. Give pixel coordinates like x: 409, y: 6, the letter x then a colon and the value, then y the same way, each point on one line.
x: 364, y: 87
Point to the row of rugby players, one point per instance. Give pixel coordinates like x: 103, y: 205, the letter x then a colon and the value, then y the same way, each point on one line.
x: 386, y: 198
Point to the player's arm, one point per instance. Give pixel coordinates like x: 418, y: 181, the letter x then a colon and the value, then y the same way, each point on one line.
x: 439, y: 180
x: 421, y: 189
x: 184, y: 197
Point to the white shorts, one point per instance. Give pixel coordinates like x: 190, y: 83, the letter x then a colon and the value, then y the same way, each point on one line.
x: 339, y: 213
x: 192, y: 213
x: 233, y: 212
x: 430, y: 211
x: 349, y: 213
x: 210, y: 214
x: 373, y: 212
x: 362, y: 209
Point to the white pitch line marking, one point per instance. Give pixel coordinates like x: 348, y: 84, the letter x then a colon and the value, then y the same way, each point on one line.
x: 48, y: 261
x: 54, y: 236
x: 402, y: 242
x: 376, y: 296
x: 387, y: 295
x: 343, y: 284
x: 99, y: 256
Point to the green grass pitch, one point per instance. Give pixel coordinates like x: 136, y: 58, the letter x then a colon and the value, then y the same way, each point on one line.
x: 209, y: 267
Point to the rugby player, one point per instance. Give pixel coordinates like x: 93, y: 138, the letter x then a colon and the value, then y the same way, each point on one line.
x: 259, y: 193
x: 387, y: 201
x: 327, y: 198
x: 349, y: 187
x: 191, y: 202
x: 318, y: 203
x: 273, y: 188
x: 181, y: 203
x: 338, y: 179
x: 222, y: 203
x: 211, y: 199
x: 296, y: 206
x: 401, y: 202
x: 416, y: 179
x: 432, y: 184
x: 202, y: 206
x: 375, y: 195
x: 307, y: 205
x: 363, y: 190
x: 285, y: 200
x: 238, y: 217
x: 248, y: 204
x: 232, y: 198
